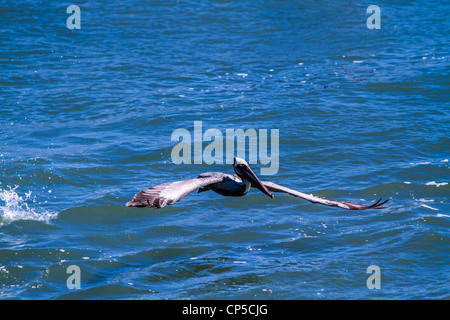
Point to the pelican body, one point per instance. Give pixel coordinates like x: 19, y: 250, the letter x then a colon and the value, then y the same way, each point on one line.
x: 235, y: 185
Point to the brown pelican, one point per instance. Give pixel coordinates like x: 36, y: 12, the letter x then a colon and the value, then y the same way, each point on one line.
x: 225, y: 184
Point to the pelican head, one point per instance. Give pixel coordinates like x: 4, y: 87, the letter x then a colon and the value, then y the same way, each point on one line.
x: 244, y: 172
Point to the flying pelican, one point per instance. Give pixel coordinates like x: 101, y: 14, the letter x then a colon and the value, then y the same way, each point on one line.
x: 226, y: 184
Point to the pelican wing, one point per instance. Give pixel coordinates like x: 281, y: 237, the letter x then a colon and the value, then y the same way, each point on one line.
x: 333, y: 203
x: 171, y: 192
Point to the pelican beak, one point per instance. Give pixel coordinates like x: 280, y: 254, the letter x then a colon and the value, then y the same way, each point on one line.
x: 246, y: 172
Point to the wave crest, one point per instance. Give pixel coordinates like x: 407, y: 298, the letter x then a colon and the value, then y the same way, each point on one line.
x: 13, y: 207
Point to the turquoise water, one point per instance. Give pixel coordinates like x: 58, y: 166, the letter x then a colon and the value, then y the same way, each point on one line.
x: 86, y: 118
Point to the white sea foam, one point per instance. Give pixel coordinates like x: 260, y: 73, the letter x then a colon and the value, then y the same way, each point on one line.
x: 419, y: 163
x: 428, y: 207
x: 425, y: 200
x: 437, y: 184
x: 14, y: 207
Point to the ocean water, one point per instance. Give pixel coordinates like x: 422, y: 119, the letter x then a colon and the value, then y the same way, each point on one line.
x: 87, y: 115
